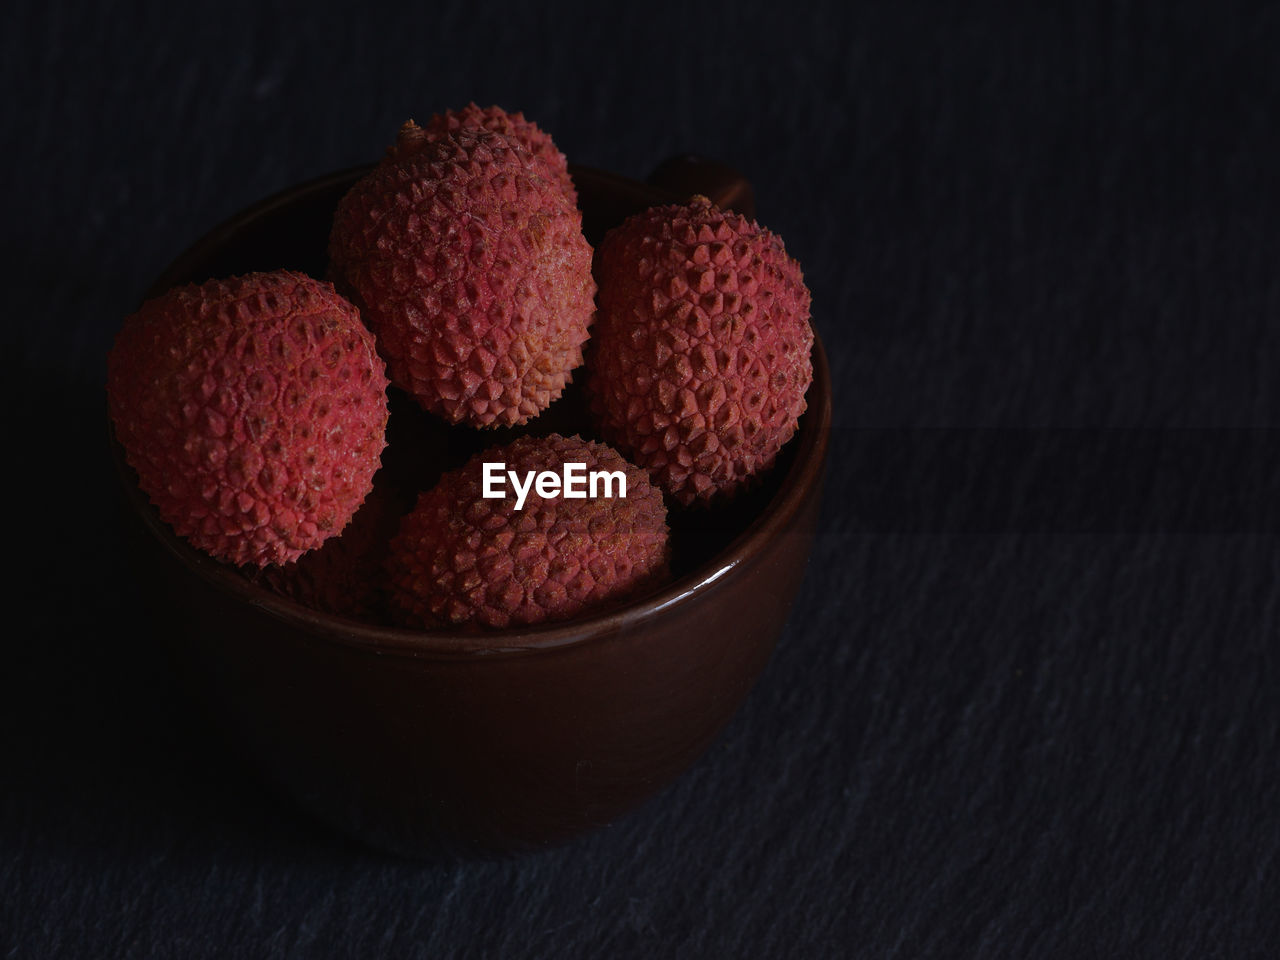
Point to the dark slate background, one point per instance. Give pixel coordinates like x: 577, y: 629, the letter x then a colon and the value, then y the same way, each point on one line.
x: 1023, y: 708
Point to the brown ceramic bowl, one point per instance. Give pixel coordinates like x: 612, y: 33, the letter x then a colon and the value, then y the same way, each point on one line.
x: 422, y: 743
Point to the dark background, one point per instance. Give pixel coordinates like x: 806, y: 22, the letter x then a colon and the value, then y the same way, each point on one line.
x: 996, y: 726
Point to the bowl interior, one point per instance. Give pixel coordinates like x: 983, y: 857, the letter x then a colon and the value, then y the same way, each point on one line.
x: 290, y: 230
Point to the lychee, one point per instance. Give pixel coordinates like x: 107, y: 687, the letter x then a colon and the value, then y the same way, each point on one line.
x: 511, y: 125
x: 462, y: 558
x: 253, y: 410
x: 344, y: 576
x: 471, y: 269
x: 699, y: 359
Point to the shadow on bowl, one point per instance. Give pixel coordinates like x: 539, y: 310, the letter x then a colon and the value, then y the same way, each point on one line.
x: 453, y: 743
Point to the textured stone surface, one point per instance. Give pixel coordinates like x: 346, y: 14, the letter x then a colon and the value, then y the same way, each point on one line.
x: 254, y: 411
x: 472, y: 270
x: 699, y: 361
x: 462, y: 558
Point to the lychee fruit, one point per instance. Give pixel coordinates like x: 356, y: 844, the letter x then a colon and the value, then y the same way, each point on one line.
x: 699, y: 359
x: 344, y: 576
x: 253, y: 410
x: 471, y: 269
x: 511, y: 125
x: 461, y: 558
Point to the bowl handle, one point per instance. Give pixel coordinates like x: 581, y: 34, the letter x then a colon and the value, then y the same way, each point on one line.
x: 688, y: 174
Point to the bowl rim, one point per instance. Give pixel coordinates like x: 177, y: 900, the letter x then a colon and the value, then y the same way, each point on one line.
x: 804, y: 474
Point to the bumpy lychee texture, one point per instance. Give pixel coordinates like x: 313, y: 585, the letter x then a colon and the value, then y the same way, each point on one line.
x: 254, y: 411
x: 462, y: 559
x: 344, y: 576
x: 471, y: 269
x: 700, y: 354
x: 511, y: 125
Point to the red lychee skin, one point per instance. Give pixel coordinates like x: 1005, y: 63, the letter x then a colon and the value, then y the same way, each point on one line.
x: 513, y: 126
x: 461, y: 559
x: 700, y: 355
x: 253, y: 410
x: 472, y: 271
x: 344, y: 576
